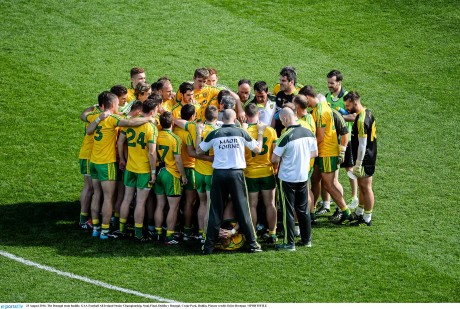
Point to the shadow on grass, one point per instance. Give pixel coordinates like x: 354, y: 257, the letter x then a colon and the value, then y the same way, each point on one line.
x: 55, y: 225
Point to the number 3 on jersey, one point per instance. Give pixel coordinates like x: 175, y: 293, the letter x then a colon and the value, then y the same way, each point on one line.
x: 264, y: 148
x: 131, y: 135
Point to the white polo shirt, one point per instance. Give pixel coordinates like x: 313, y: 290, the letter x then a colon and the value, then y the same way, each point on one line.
x: 294, y: 148
x: 228, y: 143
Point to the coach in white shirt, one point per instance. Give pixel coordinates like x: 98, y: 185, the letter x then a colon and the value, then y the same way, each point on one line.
x: 294, y: 149
x: 228, y: 143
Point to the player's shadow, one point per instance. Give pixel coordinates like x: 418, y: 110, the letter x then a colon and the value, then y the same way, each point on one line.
x: 55, y: 225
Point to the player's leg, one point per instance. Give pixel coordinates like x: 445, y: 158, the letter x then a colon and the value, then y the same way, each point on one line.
x: 253, y: 196
x: 130, y: 188
x: 150, y: 209
x: 139, y: 211
x: 268, y: 196
x: 85, y: 203
x: 108, y: 189
x: 96, y: 207
x: 365, y: 187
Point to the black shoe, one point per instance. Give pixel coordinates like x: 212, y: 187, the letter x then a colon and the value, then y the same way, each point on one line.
x: 142, y: 239
x: 271, y: 240
x: 361, y: 222
x: 255, y: 250
x: 337, y: 215
x: 355, y: 217
x: 307, y: 244
x: 314, y: 222
x: 206, y: 251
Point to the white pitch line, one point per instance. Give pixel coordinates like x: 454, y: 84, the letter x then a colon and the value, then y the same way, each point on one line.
x: 85, y: 279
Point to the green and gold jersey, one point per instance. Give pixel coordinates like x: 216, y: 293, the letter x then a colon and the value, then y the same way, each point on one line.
x: 308, y: 122
x: 130, y: 97
x: 105, y: 139
x: 184, y: 135
x: 201, y: 166
x: 204, y: 97
x: 88, y: 140
x: 168, y: 105
x: 168, y: 145
x: 260, y: 165
x: 137, y: 139
x: 322, y: 115
x: 177, y: 108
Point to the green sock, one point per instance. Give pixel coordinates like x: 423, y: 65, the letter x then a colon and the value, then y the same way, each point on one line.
x: 346, y: 212
x: 84, y: 216
x: 313, y: 215
x: 138, y: 230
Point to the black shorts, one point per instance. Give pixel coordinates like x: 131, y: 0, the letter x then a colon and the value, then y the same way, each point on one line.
x: 369, y: 170
x: 348, y: 162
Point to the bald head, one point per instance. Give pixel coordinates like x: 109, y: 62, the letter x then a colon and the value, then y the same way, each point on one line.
x: 228, y: 116
x: 287, y: 117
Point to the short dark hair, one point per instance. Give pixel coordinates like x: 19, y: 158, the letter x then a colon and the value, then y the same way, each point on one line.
x: 105, y: 99
x: 136, y: 70
x: 185, y: 86
x: 137, y: 105
x: 166, y: 119
x: 148, y: 106
x: 201, y: 73
x: 352, y: 96
x: 244, y: 81
x: 290, y: 73
x: 221, y: 94
x: 157, y: 86
x: 301, y: 100
x: 228, y: 102
x: 308, y: 91
x: 156, y: 97
x: 163, y: 79
x: 119, y: 90
x: 337, y: 74
x: 211, y: 113
x: 187, y: 111
x: 251, y: 109
x: 261, y: 86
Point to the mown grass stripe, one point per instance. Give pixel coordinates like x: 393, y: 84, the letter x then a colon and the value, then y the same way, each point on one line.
x: 84, y: 279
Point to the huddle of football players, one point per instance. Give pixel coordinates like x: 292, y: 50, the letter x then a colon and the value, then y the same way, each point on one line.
x: 144, y: 178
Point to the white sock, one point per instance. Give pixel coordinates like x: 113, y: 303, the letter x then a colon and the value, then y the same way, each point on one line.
x: 367, y: 217
x: 327, y: 204
x: 359, y: 211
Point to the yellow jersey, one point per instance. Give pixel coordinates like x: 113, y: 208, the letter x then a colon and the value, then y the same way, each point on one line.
x: 201, y: 166
x: 168, y: 105
x: 204, y: 97
x: 137, y: 139
x: 260, y: 165
x: 88, y: 140
x: 130, y: 95
x: 168, y: 145
x: 184, y: 135
x: 322, y: 115
x: 105, y: 139
x: 176, y: 109
x: 307, y: 122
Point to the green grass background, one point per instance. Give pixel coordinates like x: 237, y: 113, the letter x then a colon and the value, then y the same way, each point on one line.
x: 402, y: 56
